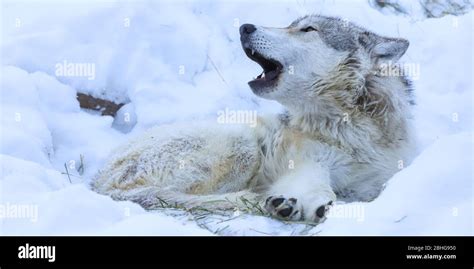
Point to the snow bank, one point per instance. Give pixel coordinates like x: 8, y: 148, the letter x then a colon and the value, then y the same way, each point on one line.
x: 433, y: 196
x: 178, y: 61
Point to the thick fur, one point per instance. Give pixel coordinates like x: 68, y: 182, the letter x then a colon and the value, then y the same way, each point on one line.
x: 345, y: 133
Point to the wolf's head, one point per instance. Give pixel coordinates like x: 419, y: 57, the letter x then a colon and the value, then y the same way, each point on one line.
x: 317, y: 61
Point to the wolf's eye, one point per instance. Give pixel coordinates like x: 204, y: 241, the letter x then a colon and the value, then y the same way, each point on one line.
x: 308, y: 29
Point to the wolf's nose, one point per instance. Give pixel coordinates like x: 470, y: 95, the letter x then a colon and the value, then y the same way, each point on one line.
x: 247, y: 29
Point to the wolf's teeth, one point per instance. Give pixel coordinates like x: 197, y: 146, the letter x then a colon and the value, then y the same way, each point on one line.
x: 253, y: 52
x: 263, y: 75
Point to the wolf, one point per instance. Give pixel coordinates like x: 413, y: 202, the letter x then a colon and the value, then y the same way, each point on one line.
x: 346, y: 130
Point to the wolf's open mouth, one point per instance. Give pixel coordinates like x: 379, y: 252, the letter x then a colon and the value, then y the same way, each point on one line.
x: 271, y: 69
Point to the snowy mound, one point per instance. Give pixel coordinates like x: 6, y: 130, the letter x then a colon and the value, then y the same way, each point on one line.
x: 181, y: 61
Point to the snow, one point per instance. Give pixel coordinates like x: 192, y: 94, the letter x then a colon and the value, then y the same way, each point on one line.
x: 180, y: 61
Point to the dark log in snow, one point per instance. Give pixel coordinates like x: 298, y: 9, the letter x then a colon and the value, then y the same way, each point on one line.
x: 106, y: 107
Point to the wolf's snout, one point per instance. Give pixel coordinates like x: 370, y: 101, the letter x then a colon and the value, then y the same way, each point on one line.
x: 272, y: 68
x: 246, y: 29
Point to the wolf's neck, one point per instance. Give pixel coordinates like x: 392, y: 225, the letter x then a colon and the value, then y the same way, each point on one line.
x: 353, y: 129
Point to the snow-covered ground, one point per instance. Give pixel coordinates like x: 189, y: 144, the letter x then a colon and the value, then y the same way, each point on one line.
x: 178, y: 61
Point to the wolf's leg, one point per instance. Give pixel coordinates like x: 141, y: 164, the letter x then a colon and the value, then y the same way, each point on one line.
x: 183, y: 168
x: 302, y: 194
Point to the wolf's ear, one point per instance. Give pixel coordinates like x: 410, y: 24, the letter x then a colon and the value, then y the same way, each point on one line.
x: 383, y: 49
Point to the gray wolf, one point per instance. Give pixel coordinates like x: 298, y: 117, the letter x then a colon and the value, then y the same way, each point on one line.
x: 345, y: 132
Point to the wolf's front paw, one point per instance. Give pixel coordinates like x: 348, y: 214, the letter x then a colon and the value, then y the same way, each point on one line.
x: 320, y: 213
x: 282, y: 208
